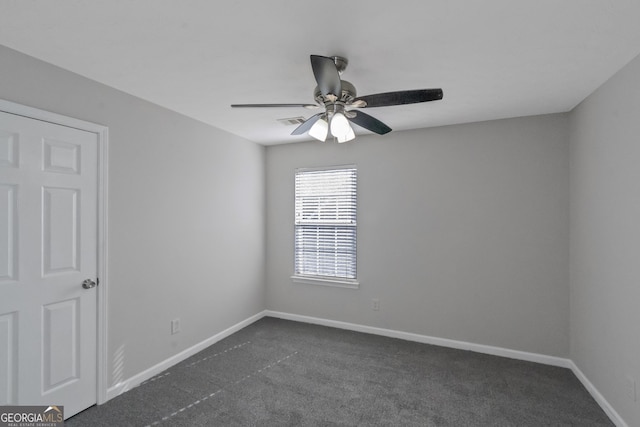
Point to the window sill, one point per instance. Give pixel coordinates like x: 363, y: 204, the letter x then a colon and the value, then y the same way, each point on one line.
x: 326, y: 281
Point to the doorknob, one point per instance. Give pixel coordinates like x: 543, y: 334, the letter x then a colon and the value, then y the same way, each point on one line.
x: 88, y: 284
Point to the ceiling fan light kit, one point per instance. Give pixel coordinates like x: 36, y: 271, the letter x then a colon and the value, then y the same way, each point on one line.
x: 319, y: 130
x: 335, y: 95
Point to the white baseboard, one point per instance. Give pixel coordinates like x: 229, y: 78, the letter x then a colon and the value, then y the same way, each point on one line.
x: 604, y: 404
x: 138, y: 379
x: 425, y: 339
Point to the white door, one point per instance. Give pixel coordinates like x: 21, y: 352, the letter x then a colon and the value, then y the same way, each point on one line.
x: 48, y: 247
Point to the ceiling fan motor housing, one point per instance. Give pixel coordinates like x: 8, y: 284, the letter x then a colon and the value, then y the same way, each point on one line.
x: 346, y: 97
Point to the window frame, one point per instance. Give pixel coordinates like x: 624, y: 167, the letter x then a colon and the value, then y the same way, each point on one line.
x: 333, y: 281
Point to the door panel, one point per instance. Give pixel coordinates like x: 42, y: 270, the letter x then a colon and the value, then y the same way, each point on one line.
x: 61, y: 157
x: 8, y: 359
x: 8, y: 227
x: 48, y: 227
x: 8, y: 149
x: 60, y: 352
x: 61, y: 236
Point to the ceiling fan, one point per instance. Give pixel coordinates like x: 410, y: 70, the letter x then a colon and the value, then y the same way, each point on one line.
x: 336, y: 95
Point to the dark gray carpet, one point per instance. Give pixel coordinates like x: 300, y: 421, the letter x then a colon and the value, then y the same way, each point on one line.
x: 276, y: 373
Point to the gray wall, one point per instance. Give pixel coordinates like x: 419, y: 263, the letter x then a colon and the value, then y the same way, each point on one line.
x: 462, y: 233
x: 605, y: 238
x: 186, y: 214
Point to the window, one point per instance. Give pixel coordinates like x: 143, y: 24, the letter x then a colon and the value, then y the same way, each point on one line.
x: 325, y: 225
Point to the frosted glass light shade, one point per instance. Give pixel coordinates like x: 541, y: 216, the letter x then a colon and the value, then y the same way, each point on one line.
x: 319, y: 130
x: 348, y: 137
x: 340, y: 125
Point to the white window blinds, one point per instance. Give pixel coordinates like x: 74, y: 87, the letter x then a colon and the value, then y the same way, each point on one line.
x: 325, y: 223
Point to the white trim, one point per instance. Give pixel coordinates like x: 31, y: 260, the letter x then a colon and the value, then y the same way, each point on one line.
x: 47, y: 116
x: 425, y: 339
x: 327, y: 168
x: 325, y: 281
x: 143, y: 376
x: 103, y: 256
x: 604, y: 404
x: 102, y: 133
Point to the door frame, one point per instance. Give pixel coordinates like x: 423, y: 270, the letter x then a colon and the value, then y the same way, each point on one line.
x: 102, y: 133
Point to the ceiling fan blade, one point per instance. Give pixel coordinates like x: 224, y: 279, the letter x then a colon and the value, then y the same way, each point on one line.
x: 326, y: 74
x: 369, y: 123
x: 273, y: 105
x: 398, y: 98
x: 304, y: 127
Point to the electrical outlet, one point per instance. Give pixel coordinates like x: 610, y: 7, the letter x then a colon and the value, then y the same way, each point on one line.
x: 630, y: 388
x: 175, y: 326
x: 375, y: 304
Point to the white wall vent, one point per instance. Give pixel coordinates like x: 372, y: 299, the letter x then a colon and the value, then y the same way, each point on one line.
x: 292, y: 121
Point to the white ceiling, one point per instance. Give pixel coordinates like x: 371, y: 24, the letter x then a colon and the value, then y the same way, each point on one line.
x: 493, y: 59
